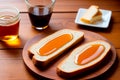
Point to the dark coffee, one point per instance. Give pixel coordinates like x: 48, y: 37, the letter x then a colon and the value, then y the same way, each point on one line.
x: 39, y: 16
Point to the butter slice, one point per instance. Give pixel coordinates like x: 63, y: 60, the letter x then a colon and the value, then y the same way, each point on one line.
x: 92, y: 15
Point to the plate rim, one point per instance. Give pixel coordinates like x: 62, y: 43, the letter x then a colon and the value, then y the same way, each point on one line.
x: 38, y: 72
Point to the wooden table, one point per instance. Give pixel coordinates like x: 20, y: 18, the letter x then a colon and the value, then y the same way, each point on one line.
x: 12, y: 66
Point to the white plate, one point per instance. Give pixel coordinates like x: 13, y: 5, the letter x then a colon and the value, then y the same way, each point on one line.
x: 104, y: 23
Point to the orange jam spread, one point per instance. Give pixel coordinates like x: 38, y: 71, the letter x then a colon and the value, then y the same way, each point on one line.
x: 89, y: 54
x: 55, y: 44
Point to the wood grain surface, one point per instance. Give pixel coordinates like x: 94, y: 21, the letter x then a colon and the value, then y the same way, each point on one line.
x: 12, y: 66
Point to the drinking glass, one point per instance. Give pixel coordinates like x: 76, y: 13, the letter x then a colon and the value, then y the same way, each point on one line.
x: 40, y: 12
x: 9, y: 22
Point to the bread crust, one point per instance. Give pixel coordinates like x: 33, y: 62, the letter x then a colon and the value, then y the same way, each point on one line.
x: 43, y: 61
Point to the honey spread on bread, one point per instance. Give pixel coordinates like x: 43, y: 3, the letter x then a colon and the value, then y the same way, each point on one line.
x: 92, y: 15
x: 55, y: 44
x: 89, y: 53
x: 45, y: 50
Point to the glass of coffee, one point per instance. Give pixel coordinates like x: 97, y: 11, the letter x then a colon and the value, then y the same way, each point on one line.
x: 40, y: 12
x: 9, y: 23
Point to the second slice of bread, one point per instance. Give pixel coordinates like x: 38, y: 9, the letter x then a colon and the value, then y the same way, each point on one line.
x: 43, y: 60
x: 68, y: 67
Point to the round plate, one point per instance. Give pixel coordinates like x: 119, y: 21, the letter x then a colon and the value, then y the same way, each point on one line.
x: 50, y: 72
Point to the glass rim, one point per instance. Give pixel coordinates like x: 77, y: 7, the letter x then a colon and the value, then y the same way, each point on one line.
x: 17, y: 12
x: 5, y: 8
x: 51, y: 4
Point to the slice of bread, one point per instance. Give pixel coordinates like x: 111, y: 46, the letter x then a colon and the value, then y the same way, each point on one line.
x: 50, y: 47
x: 83, y: 58
x: 92, y: 15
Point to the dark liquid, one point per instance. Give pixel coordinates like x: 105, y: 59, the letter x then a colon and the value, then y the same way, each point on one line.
x: 39, y: 16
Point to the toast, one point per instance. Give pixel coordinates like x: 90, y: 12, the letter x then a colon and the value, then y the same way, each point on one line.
x: 83, y: 58
x: 47, y: 49
x: 92, y: 15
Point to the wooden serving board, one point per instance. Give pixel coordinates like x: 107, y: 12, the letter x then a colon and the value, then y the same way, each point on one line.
x: 50, y: 72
